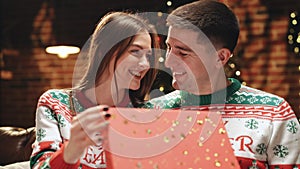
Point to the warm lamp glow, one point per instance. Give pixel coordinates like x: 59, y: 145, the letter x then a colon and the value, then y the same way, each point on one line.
x: 62, y: 51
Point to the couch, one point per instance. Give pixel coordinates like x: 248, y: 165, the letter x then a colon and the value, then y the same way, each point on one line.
x: 15, y: 144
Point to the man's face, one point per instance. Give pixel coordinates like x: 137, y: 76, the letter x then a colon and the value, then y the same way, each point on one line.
x: 188, y: 60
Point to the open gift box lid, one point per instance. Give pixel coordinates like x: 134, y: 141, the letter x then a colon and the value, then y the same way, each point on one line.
x: 167, y: 138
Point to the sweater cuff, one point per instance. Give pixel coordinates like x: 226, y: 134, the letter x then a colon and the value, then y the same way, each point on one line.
x: 57, y: 161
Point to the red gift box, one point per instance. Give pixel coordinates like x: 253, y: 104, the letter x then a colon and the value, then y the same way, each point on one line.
x: 165, y: 138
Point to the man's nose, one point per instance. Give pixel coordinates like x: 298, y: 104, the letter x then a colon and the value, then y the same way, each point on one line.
x: 171, y: 60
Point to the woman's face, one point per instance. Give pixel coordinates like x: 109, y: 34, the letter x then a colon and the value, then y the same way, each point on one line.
x: 134, y: 62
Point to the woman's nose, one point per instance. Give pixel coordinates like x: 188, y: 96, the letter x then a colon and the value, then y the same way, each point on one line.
x: 144, y: 62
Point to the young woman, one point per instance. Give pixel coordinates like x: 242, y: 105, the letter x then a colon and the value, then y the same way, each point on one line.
x: 118, y: 70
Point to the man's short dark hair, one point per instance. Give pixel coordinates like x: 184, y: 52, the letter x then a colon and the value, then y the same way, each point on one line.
x: 213, y: 18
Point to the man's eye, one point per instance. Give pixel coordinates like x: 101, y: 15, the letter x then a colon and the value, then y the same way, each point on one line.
x: 182, y: 54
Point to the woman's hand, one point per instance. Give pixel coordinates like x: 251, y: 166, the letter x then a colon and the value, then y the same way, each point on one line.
x: 88, y: 128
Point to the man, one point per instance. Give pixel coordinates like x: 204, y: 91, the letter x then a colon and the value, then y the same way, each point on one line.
x: 262, y: 127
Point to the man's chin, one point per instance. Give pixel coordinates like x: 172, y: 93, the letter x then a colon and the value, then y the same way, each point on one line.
x: 182, y: 86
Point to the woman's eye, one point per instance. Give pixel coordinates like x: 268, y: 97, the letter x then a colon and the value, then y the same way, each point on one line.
x: 137, y: 53
x: 149, y: 56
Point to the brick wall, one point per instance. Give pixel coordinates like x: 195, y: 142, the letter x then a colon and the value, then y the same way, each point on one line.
x: 27, y: 71
x: 264, y: 56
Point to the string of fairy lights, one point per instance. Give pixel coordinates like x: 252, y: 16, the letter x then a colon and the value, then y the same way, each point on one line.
x: 293, y: 39
x: 294, y: 33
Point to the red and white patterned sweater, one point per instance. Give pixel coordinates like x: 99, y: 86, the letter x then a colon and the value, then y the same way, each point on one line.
x: 263, y: 129
x: 53, y: 123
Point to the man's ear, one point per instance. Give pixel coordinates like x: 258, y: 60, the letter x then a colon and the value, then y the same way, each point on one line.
x: 224, y: 55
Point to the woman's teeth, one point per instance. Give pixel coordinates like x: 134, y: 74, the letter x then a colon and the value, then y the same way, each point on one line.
x: 135, y: 73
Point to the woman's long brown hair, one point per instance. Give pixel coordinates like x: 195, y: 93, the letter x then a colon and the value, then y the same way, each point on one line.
x: 111, y: 38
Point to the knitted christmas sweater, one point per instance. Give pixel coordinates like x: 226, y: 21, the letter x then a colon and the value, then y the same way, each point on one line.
x: 262, y: 127
x: 53, y: 125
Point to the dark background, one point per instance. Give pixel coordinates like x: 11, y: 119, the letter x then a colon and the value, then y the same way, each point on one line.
x: 264, y: 56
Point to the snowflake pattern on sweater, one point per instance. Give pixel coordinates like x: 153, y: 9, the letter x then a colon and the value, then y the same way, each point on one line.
x: 53, y: 123
x: 262, y: 127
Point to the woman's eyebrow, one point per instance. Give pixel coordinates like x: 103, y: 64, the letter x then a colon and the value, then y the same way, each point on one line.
x: 136, y: 45
x: 141, y: 47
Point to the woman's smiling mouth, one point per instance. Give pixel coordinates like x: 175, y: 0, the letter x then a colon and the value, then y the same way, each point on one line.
x: 135, y: 73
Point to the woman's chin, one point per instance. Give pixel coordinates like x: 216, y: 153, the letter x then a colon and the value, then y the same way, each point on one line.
x: 134, y: 86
